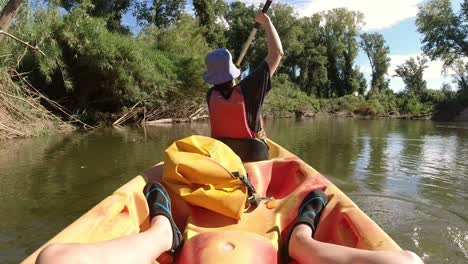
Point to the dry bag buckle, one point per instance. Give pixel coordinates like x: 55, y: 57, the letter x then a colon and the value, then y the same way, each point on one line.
x: 245, y: 180
x: 253, y: 200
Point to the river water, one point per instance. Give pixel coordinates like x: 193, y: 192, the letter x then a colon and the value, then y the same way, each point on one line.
x: 411, y: 177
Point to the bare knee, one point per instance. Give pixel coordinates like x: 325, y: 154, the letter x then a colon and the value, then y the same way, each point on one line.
x: 412, y: 258
x: 51, y: 254
x: 61, y: 253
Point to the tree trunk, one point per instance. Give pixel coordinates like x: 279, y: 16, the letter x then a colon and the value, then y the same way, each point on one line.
x: 8, y: 14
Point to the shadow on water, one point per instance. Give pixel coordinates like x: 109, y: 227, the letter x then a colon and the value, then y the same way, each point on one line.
x: 409, y: 176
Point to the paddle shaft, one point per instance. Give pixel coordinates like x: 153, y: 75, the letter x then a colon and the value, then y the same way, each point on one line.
x: 252, y: 34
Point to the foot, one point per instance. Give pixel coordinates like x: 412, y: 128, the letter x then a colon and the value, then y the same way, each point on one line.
x: 160, y: 205
x: 308, y: 217
x: 311, y: 209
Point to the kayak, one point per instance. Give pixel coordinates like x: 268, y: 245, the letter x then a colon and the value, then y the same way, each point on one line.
x: 284, y: 180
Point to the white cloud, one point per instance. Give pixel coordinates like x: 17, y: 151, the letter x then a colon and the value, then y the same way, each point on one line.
x: 378, y: 14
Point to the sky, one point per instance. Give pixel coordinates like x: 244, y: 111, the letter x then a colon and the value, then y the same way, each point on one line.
x: 395, y: 19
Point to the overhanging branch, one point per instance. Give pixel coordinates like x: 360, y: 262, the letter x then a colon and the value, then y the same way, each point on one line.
x: 36, y: 48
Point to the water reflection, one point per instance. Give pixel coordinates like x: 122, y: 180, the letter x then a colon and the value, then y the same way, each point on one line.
x: 409, y: 176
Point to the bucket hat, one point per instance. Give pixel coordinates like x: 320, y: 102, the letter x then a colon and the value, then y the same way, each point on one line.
x: 220, y: 68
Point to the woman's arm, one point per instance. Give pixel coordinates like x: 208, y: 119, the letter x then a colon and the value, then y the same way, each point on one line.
x: 275, y: 49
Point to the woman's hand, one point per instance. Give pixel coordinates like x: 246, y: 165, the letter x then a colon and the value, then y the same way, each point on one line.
x: 262, y: 18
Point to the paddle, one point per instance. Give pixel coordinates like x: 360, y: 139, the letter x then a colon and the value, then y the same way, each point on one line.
x: 251, y: 37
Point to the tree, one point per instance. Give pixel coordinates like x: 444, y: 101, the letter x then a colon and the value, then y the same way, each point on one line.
x: 374, y: 46
x: 460, y: 78
x: 160, y: 13
x: 362, y: 82
x: 291, y: 33
x: 445, y: 34
x: 8, y: 14
x: 111, y: 10
x: 207, y: 13
x: 412, y: 73
x: 312, y: 61
x: 341, y: 28
x: 239, y: 17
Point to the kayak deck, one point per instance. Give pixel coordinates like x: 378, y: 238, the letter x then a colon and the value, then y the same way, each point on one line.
x: 284, y: 180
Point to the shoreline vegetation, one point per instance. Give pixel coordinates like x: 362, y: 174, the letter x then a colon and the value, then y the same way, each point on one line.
x: 22, y: 114
x: 75, y: 64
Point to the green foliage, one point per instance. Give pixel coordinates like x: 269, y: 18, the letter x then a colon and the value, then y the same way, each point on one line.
x: 285, y: 98
x: 362, y: 82
x: 92, y: 69
x: 340, y: 32
x: 387, y: 100
x: 347, y: 103
x: 412, y: 73
x: 378, y: 53
x: 320, y: 50
x: 184, y: 44
x: 313, y: 62
x: 445, y: 34
x: 289, y: 28
x: 445, y: 37
x: 111, y: 10
x: 207, y: 13
x: 160, y: 13
x: 240, y: 17
x: 460, y: 78
x: 410, y: 103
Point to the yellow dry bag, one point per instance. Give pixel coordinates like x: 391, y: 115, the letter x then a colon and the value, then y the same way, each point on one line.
x: 207, y: 173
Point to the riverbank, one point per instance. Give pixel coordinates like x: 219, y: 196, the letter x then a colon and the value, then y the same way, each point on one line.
x: 88, y: 72
x: 22, y: 114
x: 26, y: 112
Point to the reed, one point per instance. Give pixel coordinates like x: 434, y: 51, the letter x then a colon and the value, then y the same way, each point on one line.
x: 21, y: 112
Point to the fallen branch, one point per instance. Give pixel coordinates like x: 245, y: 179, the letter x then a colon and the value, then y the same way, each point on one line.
x: 21, y: 58
x: 36, y: 48
x: 52, y: 102
x: 161, y: 121
x: 175, y: 120
x: 196, y: 112
x: 126, y: 116
x: 200, y: 117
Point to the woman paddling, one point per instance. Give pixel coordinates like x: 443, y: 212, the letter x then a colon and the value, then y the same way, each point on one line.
x: 235, y: 110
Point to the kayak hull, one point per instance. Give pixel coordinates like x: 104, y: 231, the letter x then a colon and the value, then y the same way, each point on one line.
x: 283, y: 180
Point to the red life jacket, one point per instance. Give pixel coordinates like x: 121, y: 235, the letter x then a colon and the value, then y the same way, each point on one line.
x: 228, y: 116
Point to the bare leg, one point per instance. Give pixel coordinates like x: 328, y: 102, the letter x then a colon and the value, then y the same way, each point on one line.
x: 138, y: 248
x: 304, y: 249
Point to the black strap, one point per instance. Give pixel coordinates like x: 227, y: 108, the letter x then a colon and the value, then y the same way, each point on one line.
x: 253, y: 200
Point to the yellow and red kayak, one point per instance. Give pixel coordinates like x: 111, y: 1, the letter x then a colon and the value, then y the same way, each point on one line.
x: 256, y: 238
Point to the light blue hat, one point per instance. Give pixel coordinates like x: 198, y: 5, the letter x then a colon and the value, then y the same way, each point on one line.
x: 220, y: 68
